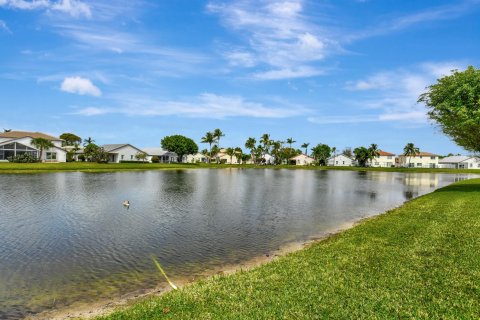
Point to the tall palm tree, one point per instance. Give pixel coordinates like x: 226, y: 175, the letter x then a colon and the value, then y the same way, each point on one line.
x: 230, y: 152
x: 42, y: 143
x: 373, y: 152
x: 290, y: 141
x: 88, y: 141
x: 265, y: 141
x: 305, y: 145
x: 210, y: 139
x: 239, y: 154
x: 277, y: 151
x: 217, y: 134
x: 250, y: 144
x: 334, y: 151
x: 410, y: 151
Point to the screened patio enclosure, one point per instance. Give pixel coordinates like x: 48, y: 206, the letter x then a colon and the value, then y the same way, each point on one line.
x: 13, y: 149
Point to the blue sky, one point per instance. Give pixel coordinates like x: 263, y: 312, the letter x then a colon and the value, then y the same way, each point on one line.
x: 346, y: 73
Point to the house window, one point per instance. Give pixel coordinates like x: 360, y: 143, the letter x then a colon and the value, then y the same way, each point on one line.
x: 343, y: 162
x: 123, y: 157
x: 433, y: 158
x: 336, y: 162
x: 432, y: 165
x: 389, y: 157
x: 51, y: 156
x: 419, y: 164
x: 131, y: 157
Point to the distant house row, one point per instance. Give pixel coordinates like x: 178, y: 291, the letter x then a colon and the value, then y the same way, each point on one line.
x: 14, y: 143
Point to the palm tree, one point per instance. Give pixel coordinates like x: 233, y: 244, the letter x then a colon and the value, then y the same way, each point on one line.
x: 42, y: 143
x: 210, y: 139
x: 250, y: 144
x: 265, y: 140
x: 305, y: 145
x: 410, y: 151
x: 217, y: 134
x: 373, y: 152
x: 334, y: 151
x: 239, y: 154
x: 88, y: 141
x: 290, y: 141
x: 214, y: 151
x: 230, y: 152
x: 276, y: 151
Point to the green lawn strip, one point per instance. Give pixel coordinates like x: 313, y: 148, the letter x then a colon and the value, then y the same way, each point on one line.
x: 17, y: 168
x: 419, y: 261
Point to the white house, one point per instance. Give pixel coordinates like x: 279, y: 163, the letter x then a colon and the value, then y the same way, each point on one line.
x: 164, y: 156
x: 121, y: 152
x: 460, y: 162
x: 340, y: 161
x: 302, y: 160
x: 384, y: 160
x: 223, y: 157
x: 420, y: 160
x: 14, y: 143
x: 194, y: 158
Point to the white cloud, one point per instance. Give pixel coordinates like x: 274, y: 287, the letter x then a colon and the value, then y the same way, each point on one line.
x: 4, y: 27
x: 81, y: 86
x: 207, y: 105
x: 74, y: 8
x: 392, y: 94
x: 278, y: 36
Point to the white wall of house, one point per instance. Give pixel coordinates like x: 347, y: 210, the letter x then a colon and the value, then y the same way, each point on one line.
x: 125, y: 153
x: 340, y: 161
x: 302, y: 160
x: 195, y: 158
x: 224, y: 158
x: 419, y: 161
x: 383, y: 161
x: 54, y: 154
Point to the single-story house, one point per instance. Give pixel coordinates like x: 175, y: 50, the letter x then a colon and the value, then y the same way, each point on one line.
x: 340, y: 161
x: 384, y: 160
x: 164, y: 156
x: 14, y: 143
x: 195, y: 158
x: 223, y: 157
x: 420, y: 160
x: 302, y: 160
x: 121, y: 152
x: 460, y: 162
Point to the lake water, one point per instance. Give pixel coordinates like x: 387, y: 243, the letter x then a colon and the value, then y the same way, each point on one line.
x: 66, y: 238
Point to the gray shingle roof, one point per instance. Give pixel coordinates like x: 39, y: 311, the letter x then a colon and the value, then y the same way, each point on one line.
x: 454, y: 159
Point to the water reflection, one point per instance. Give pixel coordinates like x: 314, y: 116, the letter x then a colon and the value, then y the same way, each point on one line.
x: 66, y: 237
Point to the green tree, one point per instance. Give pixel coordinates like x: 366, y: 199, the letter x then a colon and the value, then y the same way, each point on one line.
x: 181, y: 145
x: 239, y: 154
x: 265, y: 141
x: 90, y: 150
x: 373, y: 152
x: 250, y: 145
x: 88, y: 141
x: 334, y: 152
x: 347, y: 152
x: 42, y: 144
x: 321, y: 153
x: 290, y: 141
x: 305, y: 145
x: 99, y: 155
x: 230, y: 152
x: 454, y: 104
x: 210, y: 139
x: 362, y: 155
x: 410, y: 151
x: 217, y: 134
x: 214, y: 153
x: 70, y: 139
x: 141, y: 156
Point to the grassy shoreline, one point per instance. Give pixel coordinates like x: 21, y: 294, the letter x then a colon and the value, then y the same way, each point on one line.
x: 29, y: 168
x: 421, y: 260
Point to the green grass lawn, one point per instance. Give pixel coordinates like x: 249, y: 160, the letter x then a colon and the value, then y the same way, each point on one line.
x: 419, y: 261
x: 6, y: 167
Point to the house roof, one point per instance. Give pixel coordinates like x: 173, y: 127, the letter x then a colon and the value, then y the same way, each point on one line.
x: 302, y: 156
x: 385, y: 154
x: 113, y: 147
x: 426, y: 154
x: 454, y: 159
x: 156, y: 151
x: 23, y: 134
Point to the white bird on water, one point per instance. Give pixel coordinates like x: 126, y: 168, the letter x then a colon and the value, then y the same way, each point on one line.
x: 126, y: 203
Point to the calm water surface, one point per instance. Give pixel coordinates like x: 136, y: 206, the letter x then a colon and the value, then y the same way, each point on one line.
x: 66, y: 238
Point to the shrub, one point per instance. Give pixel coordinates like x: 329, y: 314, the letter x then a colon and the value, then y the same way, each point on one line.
x: 155, y: 159
x: 23, y: 158
x: 131, y: 161
x: 81, y: 158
